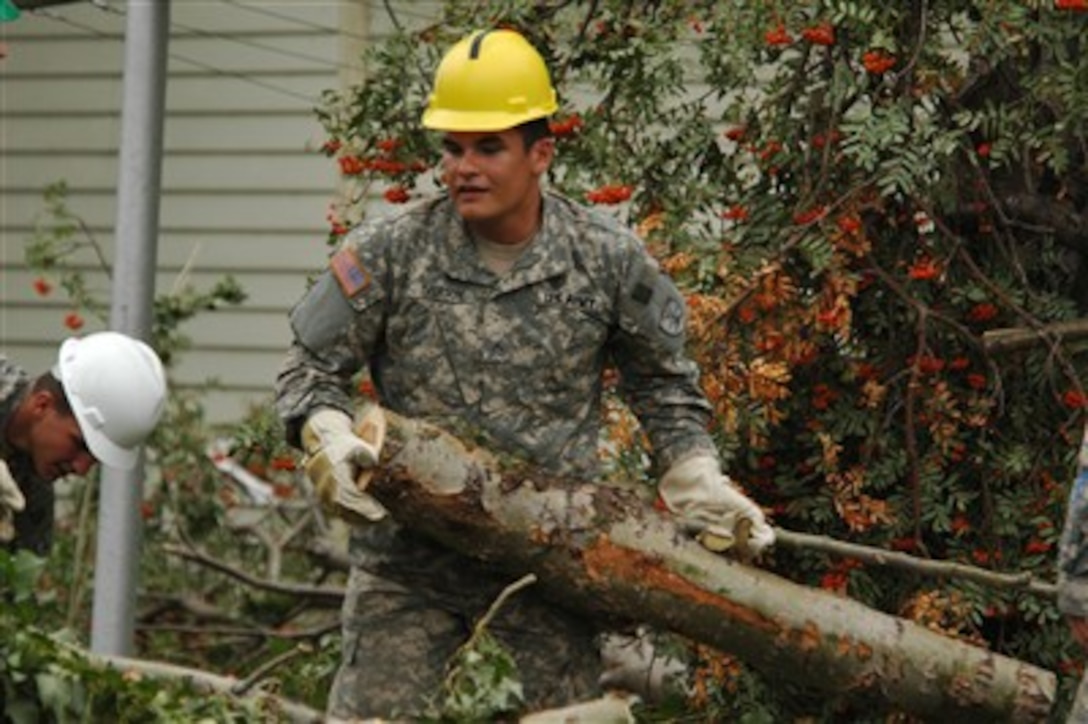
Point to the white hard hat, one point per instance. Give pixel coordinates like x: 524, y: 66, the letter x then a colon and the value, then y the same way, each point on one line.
x: 116, y: 387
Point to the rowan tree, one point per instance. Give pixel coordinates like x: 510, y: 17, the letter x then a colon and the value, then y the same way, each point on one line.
x: 851, y: 194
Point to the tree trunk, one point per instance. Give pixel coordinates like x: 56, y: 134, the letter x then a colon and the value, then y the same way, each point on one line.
x: 602, y: 551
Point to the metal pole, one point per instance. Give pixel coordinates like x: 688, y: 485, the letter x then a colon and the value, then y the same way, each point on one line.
x: 136, y: 236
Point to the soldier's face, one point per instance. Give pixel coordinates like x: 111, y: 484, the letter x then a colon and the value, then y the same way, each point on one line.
x: 493, y: 179
x: 56, y: 445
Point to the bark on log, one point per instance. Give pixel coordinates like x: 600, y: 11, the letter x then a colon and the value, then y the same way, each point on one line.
x: 602, y: 551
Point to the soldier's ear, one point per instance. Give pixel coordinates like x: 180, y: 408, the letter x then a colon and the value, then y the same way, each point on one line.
x: 541, y: 154
x: 41, y: 402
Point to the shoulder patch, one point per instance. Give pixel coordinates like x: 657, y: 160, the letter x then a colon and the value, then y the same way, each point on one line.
x: 672, y: 317
x: 349, y: 273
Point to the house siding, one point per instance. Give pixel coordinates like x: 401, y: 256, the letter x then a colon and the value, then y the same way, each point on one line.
x: 244, y: 188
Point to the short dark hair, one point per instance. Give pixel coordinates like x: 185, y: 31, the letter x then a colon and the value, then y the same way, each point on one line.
x: 47, y: 382
x: 534, y: 130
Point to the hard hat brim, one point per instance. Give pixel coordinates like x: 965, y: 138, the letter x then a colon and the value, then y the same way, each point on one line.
x: 107, y: 452
x: 442, y: 119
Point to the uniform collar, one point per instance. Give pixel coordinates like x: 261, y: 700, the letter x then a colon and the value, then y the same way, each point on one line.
x: 549, y: 256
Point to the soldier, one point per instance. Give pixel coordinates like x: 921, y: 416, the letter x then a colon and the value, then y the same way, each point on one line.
x: 99, y: 402
x: 1073, y: 572
x: 496, y: 305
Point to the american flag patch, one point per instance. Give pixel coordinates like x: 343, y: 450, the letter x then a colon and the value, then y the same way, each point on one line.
x: 349, y: 273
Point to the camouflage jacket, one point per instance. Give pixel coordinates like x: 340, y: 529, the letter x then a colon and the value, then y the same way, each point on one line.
x: 518, y: 358
x: 34, y: 525
x: 1073, y: 549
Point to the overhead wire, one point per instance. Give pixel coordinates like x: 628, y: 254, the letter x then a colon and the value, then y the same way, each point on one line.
x: 254, y: 8
x: 248, y: 77
x: 200, y: 32
x: 292, y: 19
x: 208, y: 67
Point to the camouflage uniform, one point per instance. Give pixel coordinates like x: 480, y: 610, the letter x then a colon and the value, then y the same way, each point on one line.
x: 34, y: 525
x: 1073, y: 564
x: 517, y: 359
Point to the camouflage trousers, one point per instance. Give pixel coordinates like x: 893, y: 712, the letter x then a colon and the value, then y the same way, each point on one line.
x: 402, y: 627
x: 1079, y: 713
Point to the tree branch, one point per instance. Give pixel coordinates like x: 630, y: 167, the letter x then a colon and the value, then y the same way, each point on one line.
x: 1011, y: 339
x: 326, y: 595
x: 895, y: 559
x: 245, y: 685
x: 201, y: 680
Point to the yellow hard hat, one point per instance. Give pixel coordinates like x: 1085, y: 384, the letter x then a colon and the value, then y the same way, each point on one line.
x: 489, y: 81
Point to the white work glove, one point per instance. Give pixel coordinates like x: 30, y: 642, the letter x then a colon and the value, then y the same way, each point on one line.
x: 339, y: 456
x: 696, y: 490
x: 11, y: 502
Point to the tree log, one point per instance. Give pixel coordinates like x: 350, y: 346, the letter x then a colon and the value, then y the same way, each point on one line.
x: 600, y: 550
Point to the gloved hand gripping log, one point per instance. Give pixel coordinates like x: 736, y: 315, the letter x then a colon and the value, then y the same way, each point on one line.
x: 341, y: 455
x: 719, y: 514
